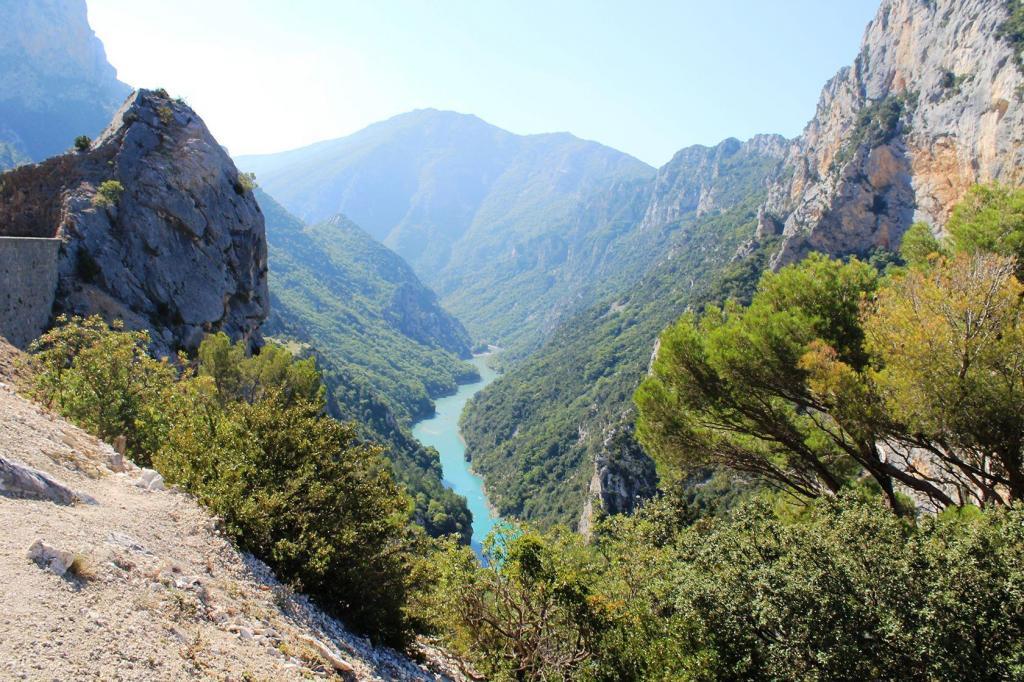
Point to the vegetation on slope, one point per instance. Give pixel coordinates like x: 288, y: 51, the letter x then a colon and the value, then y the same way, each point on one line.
x: 833, y: 376
x: 822, y: 574
x: 491, y: 220
x: 364, y: 309
x: 846, y: 567
x: 384, y: 344
x: 535, y: 432
x: 248, y: 437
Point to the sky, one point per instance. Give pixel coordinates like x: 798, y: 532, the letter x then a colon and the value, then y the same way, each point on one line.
x: 647, y: 77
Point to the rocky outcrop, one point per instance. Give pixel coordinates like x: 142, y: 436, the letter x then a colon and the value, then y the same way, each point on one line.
x: 623, y: 476
x: 55, y: 82
x: 931, y: 105
x: 23, y: 482
x: 157, y: 227
x: 698, y: 179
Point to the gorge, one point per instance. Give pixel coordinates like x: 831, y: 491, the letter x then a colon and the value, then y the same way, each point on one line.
x: 442, y: 432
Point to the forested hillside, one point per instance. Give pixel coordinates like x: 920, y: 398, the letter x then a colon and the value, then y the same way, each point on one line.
x: 877, y: 156
x: 541, y: 432
x: 384, y: 345
x: 506, y: 228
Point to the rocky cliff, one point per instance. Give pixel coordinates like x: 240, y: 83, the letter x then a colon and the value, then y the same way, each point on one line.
x: 157, y: 227
x: 55, y: 82
x: 931, y: 105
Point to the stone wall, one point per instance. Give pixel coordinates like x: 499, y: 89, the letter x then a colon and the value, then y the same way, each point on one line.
x: 28, y: 284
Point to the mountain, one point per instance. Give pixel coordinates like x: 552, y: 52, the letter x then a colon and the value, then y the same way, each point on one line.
x: 383, y: 343
x: 930, y: 107
x: 335, y: 287
x: 157, y: 228
x: 494, y: 222
x: 55, y: 82
x: 555, y: 431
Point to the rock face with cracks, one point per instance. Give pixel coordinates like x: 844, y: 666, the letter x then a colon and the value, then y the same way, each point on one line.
x: 931, y: 106
x: 157, y: 227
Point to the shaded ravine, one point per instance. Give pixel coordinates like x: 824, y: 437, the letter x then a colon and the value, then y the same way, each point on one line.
x: 442, y: 432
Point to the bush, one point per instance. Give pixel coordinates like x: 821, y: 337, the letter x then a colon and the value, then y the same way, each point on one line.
x: 840, y: 590
x: 297, y: 489
x: 104, y: 380
x: 247, y: 182
x: 248, y: 437
x: 108, y: 194
x: 82, y: 143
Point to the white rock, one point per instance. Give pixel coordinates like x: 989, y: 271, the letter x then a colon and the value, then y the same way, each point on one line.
x: 150, y: 480
x: 57, y: 561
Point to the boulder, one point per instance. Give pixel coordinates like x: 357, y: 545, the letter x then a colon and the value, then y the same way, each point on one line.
x: 24, y: 482
x: 150, y: 480
x: 57, y: 561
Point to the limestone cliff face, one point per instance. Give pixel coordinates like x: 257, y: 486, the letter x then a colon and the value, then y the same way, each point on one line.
x: 181, y: 251
x: 55, y: 82
x: 697, y: 179
x: 931, y: 105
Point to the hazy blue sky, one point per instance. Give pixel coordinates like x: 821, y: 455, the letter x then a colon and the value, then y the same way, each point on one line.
x: 644, y: 76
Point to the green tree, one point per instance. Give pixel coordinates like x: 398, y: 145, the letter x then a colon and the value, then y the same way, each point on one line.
x: 919, y: 245
x: 990, y: 219
x: 239, y: 376
x: 949, y: 346
x: 529, y: 614
x: 734, y: 388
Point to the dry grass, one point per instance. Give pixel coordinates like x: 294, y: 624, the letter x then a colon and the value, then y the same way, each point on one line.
x: 84, y: 568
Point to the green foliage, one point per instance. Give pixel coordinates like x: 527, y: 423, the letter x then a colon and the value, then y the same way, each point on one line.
x: 949, y: 346
x: 247, y: 182
x: 274, y: 371
x: 919, y: 245
x: 104, y: 381
x: 803, y: 387
x: 1012, y: 30
x: 844, y: 590
x: 524, y: 431
x: 990, y: 218
x: 529, y: 614
x: 727, y: 389
x: 248, y: 437
x: 384, y: 344
x: 876, y: 124
x: 298, y: 490
x: 108, y: 194
x: 82, y: 143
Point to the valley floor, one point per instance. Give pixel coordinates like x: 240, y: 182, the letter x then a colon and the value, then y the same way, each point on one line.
x: 157, y: 592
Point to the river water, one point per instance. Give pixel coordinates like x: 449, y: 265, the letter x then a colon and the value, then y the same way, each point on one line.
x: 442, y: 432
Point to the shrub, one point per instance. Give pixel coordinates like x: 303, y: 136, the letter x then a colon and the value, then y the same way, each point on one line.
x: 82, y: 143
x: 108, y: 194
x: 166, y: 115
x: 298, y: 490
x: 104, y: 380
x: 247, y: 436
x: 246, y: 182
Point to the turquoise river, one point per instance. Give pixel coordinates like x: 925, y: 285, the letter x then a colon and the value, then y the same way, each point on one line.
x: 442, y: 432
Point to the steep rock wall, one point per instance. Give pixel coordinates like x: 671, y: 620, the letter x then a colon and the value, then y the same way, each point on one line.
x: 180, y: 250
x: 28, y: 284
x: 931, y: 105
